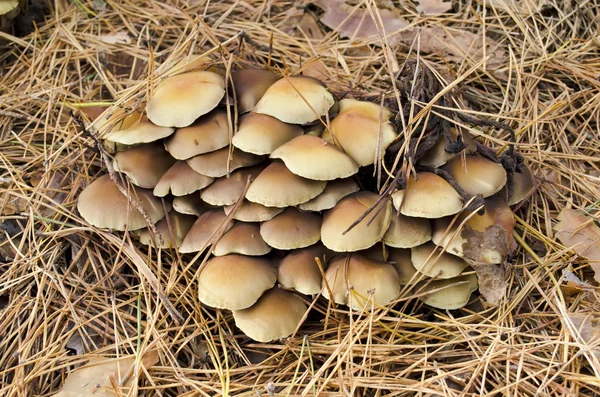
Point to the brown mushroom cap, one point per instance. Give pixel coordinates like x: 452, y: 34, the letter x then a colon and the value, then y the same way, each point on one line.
x: 477, y: 175
x: 346, y: 212
x: 250, y: 85
x: 428, y: 197
x: 171, y: 231
x: 116, y: 119
x: 434, y: 262
x: 179, y: 100
x: 447, y: 296
x: 292, y: 229
x: 275, y: 315
x: 406, y: 231
x: 313, y: 158
x: 207, y: 134
x: 103, y: 205
x: 190, y: 204
x: 437, y: 155
x: 363, y: 275
x: 334, y: 192
x: 522, y: 185
x: 400, y: 258
x: 296, y: 100
x: 144, y: 164
x: 253, y: 212
x: 262, y: 134
x: 180, y: 180
x: 234, y: 281
x: 299, y: 269
x: 202, y: 231
x: 227, y: 191
x: 379, y: 252
x: 243, y: 238
x: 214, y: 164
x: 358, y: 131
x: 142, y: 131
x: 276, y: 186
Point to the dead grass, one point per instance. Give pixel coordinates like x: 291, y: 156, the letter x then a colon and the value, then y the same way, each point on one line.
x: 67, y: 288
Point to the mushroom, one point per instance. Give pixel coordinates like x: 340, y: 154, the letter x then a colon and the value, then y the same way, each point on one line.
x: 179, y: 100
x: 449, y: 294
x: 171, y: 229
x: 203, y: 231
x: 434, y: 262
x: 220, y: 162
x: 190, y: 204
x: 275, y: 315
x: 438, y: 156
x: 103, y: 205
x: 141, y: 131
x: 296, y: 100
x: 299, y: 269
x: 334, y: 192
x: 253, y: 212
x: 180, y: 180
x: 400, y: 258
x: 227, y: 191
x: 428, y: 196
x: 477, y: 175
x: 243, y: 238
x: 291, y: 229
x: 262, y: 134
x: 145, y: 164
x: 235, y: 281
x: 406, y: 231
x: 250, y: 85
x: 207, y: 134
x: 522, y: 185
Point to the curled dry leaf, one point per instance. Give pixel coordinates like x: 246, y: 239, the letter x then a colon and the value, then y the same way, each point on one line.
x: 433, y: 7
x: 582, y: 235
x: 572, y: 284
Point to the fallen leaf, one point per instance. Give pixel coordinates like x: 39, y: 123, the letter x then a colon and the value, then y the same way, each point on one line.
x: 116, y: 38
x: 582, y: 235
x: 521, y: 7
x: 492, y: 282
x: 310, y: 28
x: 433, y: 7
x: 588, y: 328
x: 572, y: 284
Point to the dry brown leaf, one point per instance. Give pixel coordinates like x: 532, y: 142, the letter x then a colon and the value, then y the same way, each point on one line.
x: 433, y: 7
x: 116, y: 38
x: 582, y: 235
x: 492, y: 282
x: 588, y: 328
x: 521, y: 7
x: 309, y: 26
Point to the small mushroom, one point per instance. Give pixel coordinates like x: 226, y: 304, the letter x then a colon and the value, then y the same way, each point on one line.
x: 171, y: 229
x: 477, y: 175
x: 145, y: 164
x: 522, y: 186
x: 438, y: 156
x: 406, y: 231
x: 299, y: 269
x: 250, y: 85
x: 292, y: 229
x: 261, y: 134
x: 181, y: 180
x: 429, y: 196
x: 253, y: 212
x: 218, y: 163
x: 243, y: 238
x: 400, y: 258
x: 434, y: 262
x: 190, y: 204
x: 203, y: 230
x: 142, y: 131
x: 227, y: 191
x: 449, y: 294
x: 334, y: 192
x: 207, y: 134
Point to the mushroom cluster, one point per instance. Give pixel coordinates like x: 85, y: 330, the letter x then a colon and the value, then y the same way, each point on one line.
x: 263, y: 172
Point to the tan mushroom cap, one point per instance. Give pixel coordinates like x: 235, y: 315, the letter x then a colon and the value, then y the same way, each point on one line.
x: 142, y: 131
x: 299, y: 269
x: 434, y: 262
x: 7, y: 6
x: 171, y: 231
x: 253, y: 212
x: 313, y: 158
x: 428, y: 197
x: 103, y: 205
x: 345, y: 213
x: 207, y: 134
x: 243, y: 238
x: 116, y: 119
x: 379, y: 252
x: 296, y: 100
x: 363, y: 275
x: 437, y: 155
x: 275, y: 315
x: 477, y: 175
x: 262, y: 134
x: 484, y: 239
x: 292, y: 229
x: 214, y: 164
x: 190, y: 204
x: 522, y: 185
x: 202, y: 231
x: 250, y: 85
x: 334, y: 192
x: 144, y: 164
x: 181, y: 180
x: 447, y: 296
x: 406, y: 231
x: 227, y: 191
x: 234, y: 281
x: 276, y: 186
x: 179, y: 100
x: 358, y: 131
x: 400, y: 258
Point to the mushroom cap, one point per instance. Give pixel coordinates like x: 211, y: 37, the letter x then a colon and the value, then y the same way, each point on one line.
x: 276, y: 186
x: 116, y: 119
x: 142, y: 131
x: 243, y: 238
x: 262, y: 134
x: 434, y: 262
x: 346, y: 212
x: 181, y: 180
x: 235, y: 281
x: 296, y: 100
x: 446, y: 296
x: 334, y: 192
x: 437, y: 155
x: 406, y: 231
x: 145, y: 164
x: 180, y: 224
x: 253, y: 212
x: 313, y: 158
x: 292, y: 229
x: 430, y: 196
x: 190, y: 204
x: 358, y: 131
x: 299, y: 269
x: 400, y: 258
x: 214, y: 164
x: 477, y: 175
x: 378, y: 252
x: 227, y: 191
x: 179, y: 100
x: 207, y: 134
x: 362, y: 275
x: 250, y: 85
x: 103, y: 205
x: 522, y: 185
x: 275, y: 315
x: 7, y: 6
x: 203, y: 231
